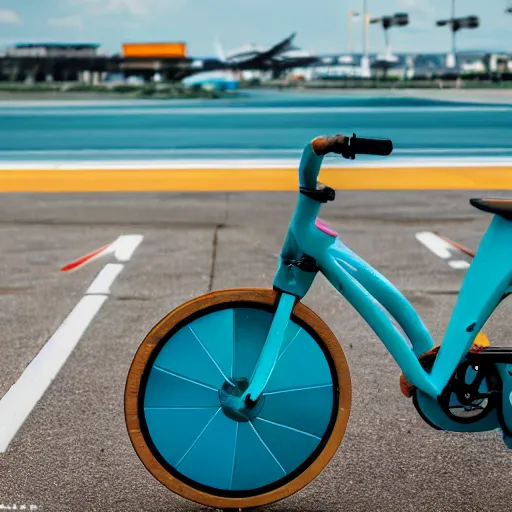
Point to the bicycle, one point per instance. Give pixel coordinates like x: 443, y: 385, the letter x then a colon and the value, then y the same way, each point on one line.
x: 240, y: 397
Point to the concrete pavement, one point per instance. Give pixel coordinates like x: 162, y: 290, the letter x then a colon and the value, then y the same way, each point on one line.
x: 73, y: 452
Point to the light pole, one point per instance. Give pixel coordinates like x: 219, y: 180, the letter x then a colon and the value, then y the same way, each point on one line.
x: 399, y: 19
x: 453, y: 30
x: 351, y: 15
x: 365, y: 61
x: 456, y: 24
x: 365, y: 28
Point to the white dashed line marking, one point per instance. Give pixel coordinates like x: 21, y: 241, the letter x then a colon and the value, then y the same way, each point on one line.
x: 450, y: 252
x: 24, y: 394
x: 435, y: 244
x: 104, y: 280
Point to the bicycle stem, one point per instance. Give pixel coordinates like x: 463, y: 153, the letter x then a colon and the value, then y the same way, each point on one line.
x: 271, y: 349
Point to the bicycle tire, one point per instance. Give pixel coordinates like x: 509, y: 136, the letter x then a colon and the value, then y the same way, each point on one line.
x: 153, y: 447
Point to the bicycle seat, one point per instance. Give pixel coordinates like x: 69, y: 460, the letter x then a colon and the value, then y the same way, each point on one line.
x: 502, y: 207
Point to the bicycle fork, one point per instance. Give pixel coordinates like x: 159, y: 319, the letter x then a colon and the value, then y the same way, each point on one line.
x: 240, y: 400
x: 270, y: 351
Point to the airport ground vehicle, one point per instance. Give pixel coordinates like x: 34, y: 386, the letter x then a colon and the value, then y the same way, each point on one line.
x: 240, y: 397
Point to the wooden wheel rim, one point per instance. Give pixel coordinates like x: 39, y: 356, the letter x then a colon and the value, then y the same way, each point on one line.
x: 262, y: 296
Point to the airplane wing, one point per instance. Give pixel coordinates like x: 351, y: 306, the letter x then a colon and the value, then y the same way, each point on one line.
x: 260, y: 59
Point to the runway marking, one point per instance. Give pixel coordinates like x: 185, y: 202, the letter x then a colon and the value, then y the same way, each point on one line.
x: 435, y: 243
x: 122, y: 248
x: 272, y: 178
x: 245, y: 111
x: 17, y: 404
x: 459, y: 264
x: 446, y: 249
x: 333, y: 162
x: 104, y: 280
x: 84, y: 260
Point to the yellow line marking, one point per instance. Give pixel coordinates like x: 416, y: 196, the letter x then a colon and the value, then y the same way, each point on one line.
x: 278, y: 179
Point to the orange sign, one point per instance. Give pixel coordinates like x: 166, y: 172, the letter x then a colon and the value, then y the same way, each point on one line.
x: 162, y: 50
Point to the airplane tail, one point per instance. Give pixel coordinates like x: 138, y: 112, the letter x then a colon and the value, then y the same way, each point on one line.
x: 220, y: 51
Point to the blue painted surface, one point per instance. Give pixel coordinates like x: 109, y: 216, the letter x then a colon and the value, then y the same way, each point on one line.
x: 254, y: 465
x: 221, y: 350
x: 303, y: 364
x: 249, y: 341
x: 262, y: 124
x: 174, y: 430
x: 210, y: 459
x: 279, y: 441
x: 176, y: 358
x: 166, y: 390
x: 307, y: 410
x: 192, y: 432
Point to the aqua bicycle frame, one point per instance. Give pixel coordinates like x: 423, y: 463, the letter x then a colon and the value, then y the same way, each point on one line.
x: 486, y: 282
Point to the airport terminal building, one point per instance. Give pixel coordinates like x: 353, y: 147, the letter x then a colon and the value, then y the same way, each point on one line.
x: 85, y: 63
x: 62, y: 62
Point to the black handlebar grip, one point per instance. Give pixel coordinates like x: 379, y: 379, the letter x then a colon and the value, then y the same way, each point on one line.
x: 360, y: 146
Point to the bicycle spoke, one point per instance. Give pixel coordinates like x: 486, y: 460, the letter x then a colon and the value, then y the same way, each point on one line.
x: 178, y: 376
x: 183, y: 355
x: 234, y: 456
x: 308, y: 410
x: 292, y: 390
x: 198, y: 438
x: 215, y: 332
x: 267, y: 448
x: 290, y: 446
x: 210, y: 356
x: 170, y: 389
x: 174, y: 430
x: 280, y: 425
x: 179, y: 408
x: 210, y: 458
x: 255, y: 466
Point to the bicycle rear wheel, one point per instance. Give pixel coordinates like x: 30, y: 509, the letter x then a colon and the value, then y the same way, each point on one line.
x: 189, y: 441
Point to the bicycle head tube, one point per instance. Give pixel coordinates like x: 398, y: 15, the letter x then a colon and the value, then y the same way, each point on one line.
x: 309, y: 167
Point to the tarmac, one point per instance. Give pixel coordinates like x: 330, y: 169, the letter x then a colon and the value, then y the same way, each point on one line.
x: 73, y: 451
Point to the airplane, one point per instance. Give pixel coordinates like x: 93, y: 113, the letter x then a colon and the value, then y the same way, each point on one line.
x: 283, y: 55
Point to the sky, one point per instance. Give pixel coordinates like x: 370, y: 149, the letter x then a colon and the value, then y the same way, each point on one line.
x: 321, y: 25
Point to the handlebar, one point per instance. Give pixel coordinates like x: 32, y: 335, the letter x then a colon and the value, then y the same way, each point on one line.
x: 348, y: 147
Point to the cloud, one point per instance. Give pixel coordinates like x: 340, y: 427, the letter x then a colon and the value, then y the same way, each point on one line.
x: 132, y: 7
x: 419, y: 6
x: 8, y: 16
x: 71, y: 22
x: 421, y: 14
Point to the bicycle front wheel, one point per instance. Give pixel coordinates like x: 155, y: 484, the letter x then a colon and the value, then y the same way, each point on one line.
x: 187, y: 439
